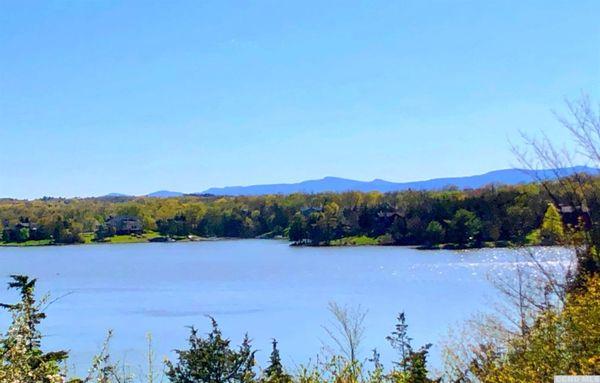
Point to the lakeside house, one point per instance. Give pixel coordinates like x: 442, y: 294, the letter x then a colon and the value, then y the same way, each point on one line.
x: 20, y: 232
x: 123, y: 225
x: 575, y: 215
x: 388, y: 214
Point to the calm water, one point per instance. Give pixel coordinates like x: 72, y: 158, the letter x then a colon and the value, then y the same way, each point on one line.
x: 264, y: 287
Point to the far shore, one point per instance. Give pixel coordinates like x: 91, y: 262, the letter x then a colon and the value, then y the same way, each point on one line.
x: 88, y: 239
x: 154, y: 237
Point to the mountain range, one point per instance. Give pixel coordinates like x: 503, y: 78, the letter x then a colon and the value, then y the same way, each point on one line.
x: 165, y: 194
x: 336, y: 184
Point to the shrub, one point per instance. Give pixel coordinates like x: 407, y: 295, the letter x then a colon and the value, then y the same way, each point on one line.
x: 212, y: 360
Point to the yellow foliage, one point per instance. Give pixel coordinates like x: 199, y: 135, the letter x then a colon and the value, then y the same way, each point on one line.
x: 563, y: 342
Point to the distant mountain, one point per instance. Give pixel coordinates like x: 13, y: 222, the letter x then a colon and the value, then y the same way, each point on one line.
x: 335, y: 184
x: 115, y: 197
x: 164, y: 194
x: 110, y: 195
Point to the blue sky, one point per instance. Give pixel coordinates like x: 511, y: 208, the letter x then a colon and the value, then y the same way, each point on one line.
x: 132, y: 97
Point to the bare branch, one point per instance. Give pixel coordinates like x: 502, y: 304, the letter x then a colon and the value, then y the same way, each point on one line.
x: 347, y: 329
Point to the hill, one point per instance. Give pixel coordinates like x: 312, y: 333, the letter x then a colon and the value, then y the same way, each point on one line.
x: 336, y: 184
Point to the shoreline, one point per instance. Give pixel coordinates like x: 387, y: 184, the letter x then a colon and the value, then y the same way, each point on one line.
x: 121, y: 240
x: 342, y: 242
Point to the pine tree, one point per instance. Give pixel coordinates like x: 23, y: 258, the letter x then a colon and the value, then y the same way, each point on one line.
x: 552, y: 231
x: 275, y: 373
x: 434, y: 233
x: 212, y: 360
x: 21, y: 357
x: 400, y: 341
x: 416, y: 365
x: 413, y: 364
x: 297, y: 228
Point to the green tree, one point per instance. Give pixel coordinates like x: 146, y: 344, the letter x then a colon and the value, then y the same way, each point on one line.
x: 400, y: 341
x: 21, y: 357
x: 275, y: 373
x: 22, y: 234
x: 519, y: 222
x: 559, y: 342
x: 465, y: 227
x: 6, y: 235
x: 103, y: 231
x: 212, y: 360
x: 412, y: 364
x: 398, y: 230
x: 330, y: 221
x: 434, y: 233
x: 316, y: 228
x: 67, y: 231
x: 416, y: 366
x: 297, y: 228
x: 552, y: 231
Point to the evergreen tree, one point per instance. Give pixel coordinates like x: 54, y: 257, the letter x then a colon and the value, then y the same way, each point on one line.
x: 21, y: 357
x: 211, y: 360
x: 434, y: 233
x: 552, y: 231
x: 465, y: 227
x: 297, y: 228
x: 412, y: 364
x: 275, y: 373
x: 416, y: 366
x: 400, y: 341
x: 103, y: 231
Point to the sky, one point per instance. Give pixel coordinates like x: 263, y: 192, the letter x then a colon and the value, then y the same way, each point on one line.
x: 138, y: 96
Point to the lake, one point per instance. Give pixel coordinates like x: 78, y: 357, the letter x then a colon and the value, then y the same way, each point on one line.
x: 263, y: 287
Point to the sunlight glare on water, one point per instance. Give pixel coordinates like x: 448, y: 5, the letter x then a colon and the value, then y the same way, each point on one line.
x: 263, y: 287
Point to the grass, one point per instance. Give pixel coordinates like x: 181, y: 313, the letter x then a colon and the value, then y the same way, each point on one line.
x: 88, y: 238
x: 360, y: 240
x: 41, y: 242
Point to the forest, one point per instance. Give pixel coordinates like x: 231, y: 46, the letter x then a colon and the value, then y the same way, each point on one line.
x: 548, y: 327
x: 494, y: 215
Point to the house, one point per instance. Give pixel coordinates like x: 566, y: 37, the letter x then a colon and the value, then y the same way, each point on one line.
x: 123, y: 225
x: 575, y: 215
x: 21, y: 231
x: 388, y: 214
x: 26, y: 225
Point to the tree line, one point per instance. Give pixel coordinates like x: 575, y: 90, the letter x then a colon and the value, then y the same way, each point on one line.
x: 499, y: 214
